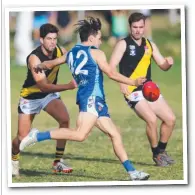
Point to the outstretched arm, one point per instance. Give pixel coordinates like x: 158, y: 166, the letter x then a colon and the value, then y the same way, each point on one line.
x: 164, y: 63
x: 41, y: 81
x: 101, y: 60
x: 50, y: 64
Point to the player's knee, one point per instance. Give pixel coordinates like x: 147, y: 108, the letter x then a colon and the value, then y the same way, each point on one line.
x: 171, y: 121
x: 21, y: 136
x: 81, y: 137
x: 152, y: 121
x: 114, y: 135
x: 64, y: 122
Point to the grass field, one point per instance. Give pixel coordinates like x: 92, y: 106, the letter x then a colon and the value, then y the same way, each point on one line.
x: 94, y: 159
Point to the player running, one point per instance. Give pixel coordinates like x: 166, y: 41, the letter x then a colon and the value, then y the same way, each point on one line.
x: 87, y: 64
x: 40, y: 92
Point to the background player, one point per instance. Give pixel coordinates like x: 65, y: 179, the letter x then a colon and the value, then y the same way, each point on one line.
x: 87, y: 63
x: 133, y: 54
x: 39, y: 92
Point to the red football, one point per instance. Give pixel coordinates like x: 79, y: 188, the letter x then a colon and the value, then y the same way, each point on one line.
x: 150, y: 91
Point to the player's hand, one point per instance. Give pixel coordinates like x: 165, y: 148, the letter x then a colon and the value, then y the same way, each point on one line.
x: 139, y: 81
x: 169, y: 61
x: 124, y: 89
x: 40, y: 67
x: 72, y: 84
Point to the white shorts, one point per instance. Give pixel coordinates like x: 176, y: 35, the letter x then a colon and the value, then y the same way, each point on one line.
x: 34, y: 106
x: 135, y: 97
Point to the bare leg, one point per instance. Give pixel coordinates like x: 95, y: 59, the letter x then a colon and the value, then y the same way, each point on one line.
x: 144, y: 111
x: 107, y: 126
x: 58, y: 111
x: 24, y: 126
x: 164, y: 112
x: 86, y: 123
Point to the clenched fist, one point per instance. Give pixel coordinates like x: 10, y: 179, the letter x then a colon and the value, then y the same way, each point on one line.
x: 169, y: 60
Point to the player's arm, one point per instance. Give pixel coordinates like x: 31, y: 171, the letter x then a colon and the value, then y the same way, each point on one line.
x: 64, y: 51
x: 164, y: 63
x: 47, y: 65
x: 117, y: 53
x: 41, y: 80
x: 115, y: 59
x: 101, y: 60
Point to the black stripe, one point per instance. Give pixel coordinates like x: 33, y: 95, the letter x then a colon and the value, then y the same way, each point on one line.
x: 129, y: 62
x: 37, y: 95
x: 60, y: 149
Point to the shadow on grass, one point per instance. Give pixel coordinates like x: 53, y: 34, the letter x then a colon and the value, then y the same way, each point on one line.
x: 73, y: 157
x: 83, y: 174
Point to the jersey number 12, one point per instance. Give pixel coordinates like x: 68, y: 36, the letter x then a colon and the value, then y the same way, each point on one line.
x: 80, y: 65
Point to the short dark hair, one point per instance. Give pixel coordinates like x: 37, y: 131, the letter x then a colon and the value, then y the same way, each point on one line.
x: 47, y: 28
x: 87, y: 27
x: 135, y: 17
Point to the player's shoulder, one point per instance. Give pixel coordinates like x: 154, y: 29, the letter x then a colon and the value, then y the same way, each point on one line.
x: 97, y: 52
x: 33, y: 58
x: 154, y: 46
x: 35, y: 54
x: 122, y: 43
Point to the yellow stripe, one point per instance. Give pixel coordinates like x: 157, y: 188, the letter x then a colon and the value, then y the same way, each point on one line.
x: 142, y: 67
x: 15, y: 157
x: 58, y: 157
x: 59, y: 152
x: 51, y: 77
x: 29, y: 90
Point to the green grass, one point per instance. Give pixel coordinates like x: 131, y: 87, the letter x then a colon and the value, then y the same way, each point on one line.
x: 94, y: 159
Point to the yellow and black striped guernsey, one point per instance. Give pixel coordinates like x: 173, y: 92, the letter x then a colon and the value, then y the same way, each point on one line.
x: 29, y: 88
x: 136, y: 60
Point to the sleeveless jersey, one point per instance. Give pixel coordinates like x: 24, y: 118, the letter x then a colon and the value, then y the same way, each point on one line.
x: 136, y: 60
x: 86, y: 72
x: 29, y: 88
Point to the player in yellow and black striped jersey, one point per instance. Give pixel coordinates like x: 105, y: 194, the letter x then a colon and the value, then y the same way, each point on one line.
x: 136, y: 61
x: 30, y: 90
x: 40, y: 92
x: 134, y: 55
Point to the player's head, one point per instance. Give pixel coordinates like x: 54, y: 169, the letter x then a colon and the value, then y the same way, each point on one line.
x: 137, y: 25
x: 89, y: 31
x: 48, y: 36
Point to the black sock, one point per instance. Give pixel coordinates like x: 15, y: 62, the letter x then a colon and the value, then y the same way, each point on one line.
x: 155, y: 151
x: 59, y: 154
x: 162, y: 146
